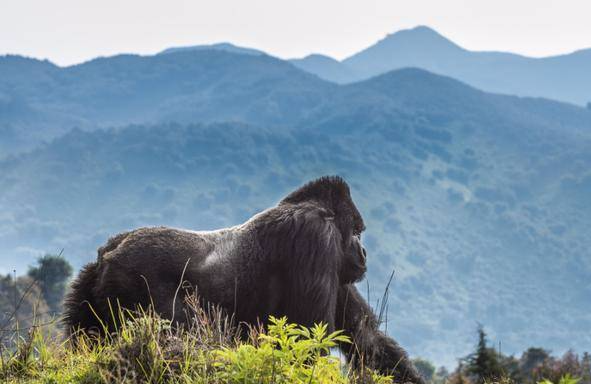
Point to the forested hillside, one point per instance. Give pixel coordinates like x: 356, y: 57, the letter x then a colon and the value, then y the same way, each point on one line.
x: 479, y: 202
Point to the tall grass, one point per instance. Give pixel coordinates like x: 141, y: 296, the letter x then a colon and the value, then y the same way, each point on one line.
x: 209, y: 348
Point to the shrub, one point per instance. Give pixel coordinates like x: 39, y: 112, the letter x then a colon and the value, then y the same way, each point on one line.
x: 210, y: 349
x: 287, y: 353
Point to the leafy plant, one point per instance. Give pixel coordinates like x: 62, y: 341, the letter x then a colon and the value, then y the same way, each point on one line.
x: 286, y: 354
x: 566, y: 379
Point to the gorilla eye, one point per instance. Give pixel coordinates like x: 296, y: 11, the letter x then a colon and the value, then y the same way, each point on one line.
x: 358, y: 230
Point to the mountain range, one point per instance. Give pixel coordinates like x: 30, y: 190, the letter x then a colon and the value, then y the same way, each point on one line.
x: 564, y: 77
x: 40, y: 101
x: 479, y: 202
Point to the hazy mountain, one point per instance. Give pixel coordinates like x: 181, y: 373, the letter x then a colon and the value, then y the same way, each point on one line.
x: 418, y: 47
x: 40, y: 101
x: 194, y: 85
x: 326, y: 68
x: 480, y: 202
x: 565, y: 77
x: 227, y: 47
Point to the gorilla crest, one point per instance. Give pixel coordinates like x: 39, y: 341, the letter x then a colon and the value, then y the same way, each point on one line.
x: 299, y: 259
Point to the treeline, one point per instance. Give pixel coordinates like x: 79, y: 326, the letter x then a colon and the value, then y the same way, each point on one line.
x: 33, y: 299
x: 488, y: 364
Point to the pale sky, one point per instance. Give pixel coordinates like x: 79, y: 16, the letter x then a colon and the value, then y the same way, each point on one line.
x: 72, y: 31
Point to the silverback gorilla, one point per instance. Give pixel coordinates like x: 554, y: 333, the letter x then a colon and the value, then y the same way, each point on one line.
x: 299, y: 259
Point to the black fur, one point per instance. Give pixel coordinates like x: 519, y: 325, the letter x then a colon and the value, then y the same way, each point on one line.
x: 80, y: 299
x: 298, y: 259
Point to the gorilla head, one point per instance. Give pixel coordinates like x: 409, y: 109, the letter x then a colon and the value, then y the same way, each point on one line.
x: 332, y: 199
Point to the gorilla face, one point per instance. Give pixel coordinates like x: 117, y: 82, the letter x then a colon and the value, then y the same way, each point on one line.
x: 353, y: 265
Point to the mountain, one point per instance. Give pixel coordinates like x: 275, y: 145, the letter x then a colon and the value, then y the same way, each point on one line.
x: 226, y: 47
x: 478, y: 202
x: 419, y: 47
x: 40, y: 101
x: 186, y: 86
x: 326, y: 68
x: 565, y: 77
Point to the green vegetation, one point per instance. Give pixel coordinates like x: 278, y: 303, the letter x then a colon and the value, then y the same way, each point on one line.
x: 484, y: 364
x: 567, y: 379
x: 535, y: 366
x: 147, y: 349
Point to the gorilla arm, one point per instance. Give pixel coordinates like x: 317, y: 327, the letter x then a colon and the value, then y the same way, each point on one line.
x: 371, y: 347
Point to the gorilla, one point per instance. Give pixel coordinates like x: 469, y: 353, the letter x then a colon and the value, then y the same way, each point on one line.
x: 299, y: 259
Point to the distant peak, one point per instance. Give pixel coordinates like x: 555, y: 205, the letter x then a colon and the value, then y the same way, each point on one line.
x: 421, y: 29
x: 418, y: 34
x: 415, y: 45
x: 223, y: 46
x: 317, y: 57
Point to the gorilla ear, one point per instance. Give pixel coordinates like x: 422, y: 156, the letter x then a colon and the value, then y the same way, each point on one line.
x: 328, y: 189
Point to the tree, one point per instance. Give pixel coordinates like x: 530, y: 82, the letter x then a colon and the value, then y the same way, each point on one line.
x: 554, y: 369
x: 483, y: 364
x: 586, y: 369
x: 425, y: 368
x: 441, y: 376
x: 21, y: 306
x: 52, y: 273
x: 570, y: 364
x: 458, y: 376
x: 510, y: 368
x: 531, y: 362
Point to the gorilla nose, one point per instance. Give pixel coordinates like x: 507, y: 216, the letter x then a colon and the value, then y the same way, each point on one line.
x: 364, y: 253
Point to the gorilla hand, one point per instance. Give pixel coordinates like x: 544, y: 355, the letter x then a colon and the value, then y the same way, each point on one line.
x: 371, y: 347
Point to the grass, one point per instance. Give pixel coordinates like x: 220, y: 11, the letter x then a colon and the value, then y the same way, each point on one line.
x: 147, y: 349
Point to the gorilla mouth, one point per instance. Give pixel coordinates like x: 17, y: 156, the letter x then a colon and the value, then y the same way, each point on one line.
x: 363, y: 266
x: 360, y: 276
x: 355, y: 273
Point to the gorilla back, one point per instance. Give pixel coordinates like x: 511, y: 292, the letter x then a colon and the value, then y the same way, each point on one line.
x: 298, y: 259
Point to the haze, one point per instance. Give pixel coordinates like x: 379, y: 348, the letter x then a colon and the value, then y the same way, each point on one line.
x: 69, y: 32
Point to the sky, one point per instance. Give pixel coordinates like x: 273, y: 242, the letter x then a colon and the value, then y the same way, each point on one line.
x: 72, y: 31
